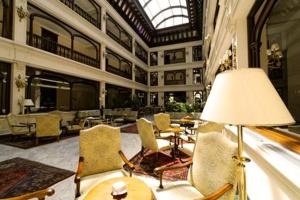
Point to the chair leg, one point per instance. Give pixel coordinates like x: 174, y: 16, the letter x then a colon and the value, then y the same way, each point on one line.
x: 156, y: 156
x: 142, y: 151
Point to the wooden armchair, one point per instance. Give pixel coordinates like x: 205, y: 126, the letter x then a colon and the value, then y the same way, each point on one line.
x: 146, y: 132
x: 100, y: 157
x: 40, y: 195
x: 212, y: 171
x: 47, y: 126
x: 15, y: 125
x: 163, y: 124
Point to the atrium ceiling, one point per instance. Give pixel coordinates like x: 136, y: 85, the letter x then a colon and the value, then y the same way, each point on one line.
x: 163, y: 22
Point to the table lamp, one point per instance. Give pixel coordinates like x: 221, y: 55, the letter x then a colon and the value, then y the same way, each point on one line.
x: 27, y: 104
x: 245, y: 97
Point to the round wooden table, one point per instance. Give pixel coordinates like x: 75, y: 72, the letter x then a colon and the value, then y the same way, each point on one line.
x: 136, y: 189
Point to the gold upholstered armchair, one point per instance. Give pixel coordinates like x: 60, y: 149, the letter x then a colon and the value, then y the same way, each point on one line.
x: 40, y: 195
x: 146, y: 132
x: 212, y: 171
x: 163, y: 124
x: 15, y: 125
x: 100, y: 157
x: 47, y: 126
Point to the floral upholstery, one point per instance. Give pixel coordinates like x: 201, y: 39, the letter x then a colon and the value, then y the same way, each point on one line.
x: 99, y: 146
x: 48, y: 125
x: 146, y: 132
x: 162, y: 121
x: 210, y: 127
x: 213, y: 167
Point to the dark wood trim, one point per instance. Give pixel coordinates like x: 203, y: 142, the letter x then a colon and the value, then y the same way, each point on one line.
x: 255, y: 29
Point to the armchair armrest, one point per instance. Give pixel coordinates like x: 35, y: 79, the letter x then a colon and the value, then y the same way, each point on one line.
x: 41, y: 194
x: 160, y: 170
x: 127, y: 162
x: 218, y: 193
x: 78, y: 176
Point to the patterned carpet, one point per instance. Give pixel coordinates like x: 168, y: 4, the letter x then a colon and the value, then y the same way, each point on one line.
x: 19, y: 176
x: 146, y: 165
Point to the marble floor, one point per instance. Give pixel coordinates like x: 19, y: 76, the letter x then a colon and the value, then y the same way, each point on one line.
x: 64, y: 154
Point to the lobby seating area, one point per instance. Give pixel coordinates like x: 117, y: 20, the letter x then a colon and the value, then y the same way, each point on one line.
x: 149, y: 99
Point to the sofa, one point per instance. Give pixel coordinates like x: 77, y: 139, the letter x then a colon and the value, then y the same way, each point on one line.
x: 126, y: 114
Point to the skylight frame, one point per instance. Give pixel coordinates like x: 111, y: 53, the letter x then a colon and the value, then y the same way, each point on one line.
x: 165, y: 13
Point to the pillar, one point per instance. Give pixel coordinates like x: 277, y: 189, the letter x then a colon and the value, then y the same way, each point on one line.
x: 160, y: 58
x: 18, y: 72
x: 160, y: 98
x: 242, y: 43
x: 160, y: 78
x: 19, y: 25
x: 103, y: 19
x: 189, y: 54
x: 103, y: 57
x: 102, y: 94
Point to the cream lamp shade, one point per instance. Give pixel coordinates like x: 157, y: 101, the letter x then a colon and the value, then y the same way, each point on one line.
x: 245, y: 97
x: 28, y: 102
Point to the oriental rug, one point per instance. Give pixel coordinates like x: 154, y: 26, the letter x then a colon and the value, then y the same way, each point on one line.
x: 146, y: 165
x: 19, y: 176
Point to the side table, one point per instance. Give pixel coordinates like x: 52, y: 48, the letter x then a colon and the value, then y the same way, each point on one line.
x: 136, y: 189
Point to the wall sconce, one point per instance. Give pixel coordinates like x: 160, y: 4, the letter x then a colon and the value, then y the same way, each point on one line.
x: 104, y: 17
x: 162, y: 55
x: 162, y: 76
x: 187, y: 53
x: 20, y: 82
x: 274, y: 56
x: 22, y: 13
x: 187, y: 75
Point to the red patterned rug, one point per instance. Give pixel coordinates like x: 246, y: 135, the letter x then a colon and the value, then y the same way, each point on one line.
x: 19, y: 176
x: 146, y: 165
x: 130, y: 129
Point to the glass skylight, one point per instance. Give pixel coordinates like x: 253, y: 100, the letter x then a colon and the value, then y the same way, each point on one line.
x: 166, y: 13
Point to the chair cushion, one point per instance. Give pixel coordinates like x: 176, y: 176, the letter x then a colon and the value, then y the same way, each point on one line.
x: 163, y: 144
x: 146, y: 132
x: 88, y: 182
x: 178, y: 190
x: 213, y: 167
x: 188, y: 148
x: 162, y: 121
x: 99, y: 146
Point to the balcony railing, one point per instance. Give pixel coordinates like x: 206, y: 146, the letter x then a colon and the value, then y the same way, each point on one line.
x: 142, y: 80
x: 118, y: 72
x: 197, y: 53
x: 124, y: 44
x: 82, y: 12
x: 58, y: 49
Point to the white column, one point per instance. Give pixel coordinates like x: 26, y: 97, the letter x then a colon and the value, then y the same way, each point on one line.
x: 189, y: 95
x: 103, y: 19
x: 242, y: 43
x: 160, y: 58
x: 19, y: 25
x: 133, y: 46
x: 18, y: 72
x: 133, y: 92
x: 103, y: 57
x: 189, y: 77
x: 133, y: 72
x: 148, y: 98
x: 160, y: 78
x: 189, y: 54
x: 102, y: 94
x: 161, y: 99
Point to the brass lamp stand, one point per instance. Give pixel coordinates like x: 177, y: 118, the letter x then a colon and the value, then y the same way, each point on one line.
x: 241, y: 164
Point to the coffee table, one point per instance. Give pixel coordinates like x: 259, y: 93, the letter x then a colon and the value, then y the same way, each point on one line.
x: 136, y: 189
